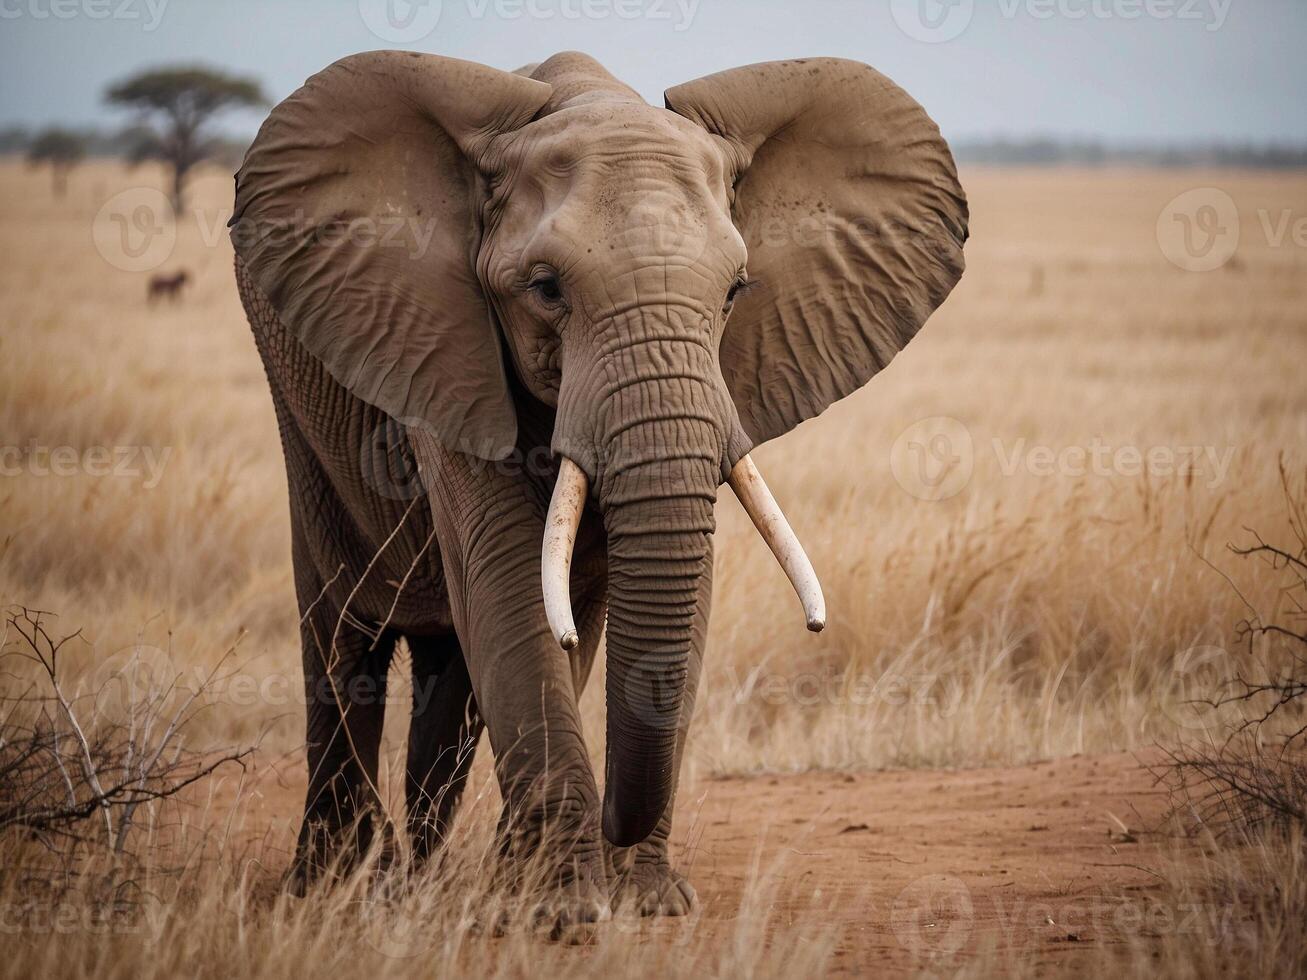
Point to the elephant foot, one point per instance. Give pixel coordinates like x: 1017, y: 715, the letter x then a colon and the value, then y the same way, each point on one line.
x: 571, y: 914
x: 327, y: 854
x: 653, y: 889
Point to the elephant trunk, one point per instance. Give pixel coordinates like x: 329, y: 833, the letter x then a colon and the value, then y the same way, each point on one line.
x: 658, y: 516
x: 657, y: 447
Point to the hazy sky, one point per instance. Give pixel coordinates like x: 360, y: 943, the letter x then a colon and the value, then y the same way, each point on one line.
x: 1158, y: 70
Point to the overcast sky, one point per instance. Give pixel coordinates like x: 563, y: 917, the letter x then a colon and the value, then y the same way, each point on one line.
x: 1122, y: 70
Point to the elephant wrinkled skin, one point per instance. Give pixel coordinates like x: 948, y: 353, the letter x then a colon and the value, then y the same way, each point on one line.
x: 458, y: 278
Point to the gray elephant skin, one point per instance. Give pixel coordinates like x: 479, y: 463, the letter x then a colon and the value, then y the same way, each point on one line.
x: 464, y: 282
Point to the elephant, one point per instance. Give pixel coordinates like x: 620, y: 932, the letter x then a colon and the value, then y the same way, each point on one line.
x: 519, y: 329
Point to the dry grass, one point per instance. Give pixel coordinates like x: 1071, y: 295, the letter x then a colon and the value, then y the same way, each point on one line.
x: 1229, y: 913
x: 1025, y: 616
x: 216, y: 915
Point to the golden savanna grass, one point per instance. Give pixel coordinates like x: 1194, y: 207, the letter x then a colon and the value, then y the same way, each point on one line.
x: 1042, y: 609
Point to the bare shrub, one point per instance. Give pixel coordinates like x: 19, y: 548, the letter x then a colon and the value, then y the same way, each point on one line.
x: 1254, y: 777
x: 68, y: 765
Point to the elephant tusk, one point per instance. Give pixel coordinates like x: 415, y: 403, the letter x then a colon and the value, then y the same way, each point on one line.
x: 556, y: 555
x: 766, y: 515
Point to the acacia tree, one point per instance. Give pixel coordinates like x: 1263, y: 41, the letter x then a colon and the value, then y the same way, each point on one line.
x: 175, y: 106
x: 62, y: 150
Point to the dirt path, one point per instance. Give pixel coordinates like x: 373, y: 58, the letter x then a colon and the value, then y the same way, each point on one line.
x: 909, y: 869
x: 1041, y: 860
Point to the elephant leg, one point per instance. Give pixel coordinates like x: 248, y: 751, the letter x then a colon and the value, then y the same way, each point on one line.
x: 490, y: 526
x: 442, y: 740
x: 345, y: 687
x: 643, y: 878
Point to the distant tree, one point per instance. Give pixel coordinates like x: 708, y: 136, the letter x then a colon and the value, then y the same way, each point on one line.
x: 14, y: 139
x: 62, y: 150
x: 174, y: 106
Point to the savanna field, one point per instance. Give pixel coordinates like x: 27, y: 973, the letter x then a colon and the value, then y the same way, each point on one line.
x: 1022, y: 529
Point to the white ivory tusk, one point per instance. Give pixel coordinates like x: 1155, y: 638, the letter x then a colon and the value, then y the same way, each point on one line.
x: 556, y: 556
x: 766, y: 515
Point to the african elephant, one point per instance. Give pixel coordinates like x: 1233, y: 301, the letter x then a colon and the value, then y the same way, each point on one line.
x: 572, y: 314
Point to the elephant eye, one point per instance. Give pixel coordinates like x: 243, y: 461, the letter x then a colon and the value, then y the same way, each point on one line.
x: 742, y: 284
x: 549, y: 288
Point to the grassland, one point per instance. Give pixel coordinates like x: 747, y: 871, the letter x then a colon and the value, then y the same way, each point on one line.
x: 1109, y: 422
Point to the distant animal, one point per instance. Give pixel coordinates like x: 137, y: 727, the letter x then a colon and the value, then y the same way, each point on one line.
x: 514, y: 351
x: 167, y: 285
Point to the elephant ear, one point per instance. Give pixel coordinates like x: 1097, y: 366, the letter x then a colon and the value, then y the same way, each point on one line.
x: 357, y: 214
x: 849, y: 203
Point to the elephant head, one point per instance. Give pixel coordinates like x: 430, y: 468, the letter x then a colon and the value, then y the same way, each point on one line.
x: 678, y: 284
